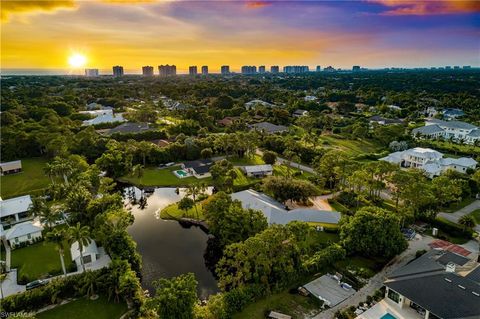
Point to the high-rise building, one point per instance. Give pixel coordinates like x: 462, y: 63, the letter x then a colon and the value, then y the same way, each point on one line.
x: 329, y: 69
x: 295, y: 69
x: 192, y: 70
x: 118, y: 70
x: 261, y: 69
x: 205, y: 70
x: 225, y: 69
x: 167, y: 70
x: 274, y: 69
x: 249, y: 69
x: 147, y: 70
x: 91, y: 72
x: 319, y: 68
x: 356, y: 68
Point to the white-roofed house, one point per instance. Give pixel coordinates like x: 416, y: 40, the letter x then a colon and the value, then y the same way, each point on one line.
x: 454, y: 130
x: 10, y: 167
x: 276, y: 213
x: 431, y: 161
x: 258, y: 171
x: 15, y: 210
x: 90, y: 253
x: 25, y: 232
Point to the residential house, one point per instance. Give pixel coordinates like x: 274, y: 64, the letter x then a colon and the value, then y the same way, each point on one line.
x: 454, y: 130
x: 198, y: 168
x: 90, y: 253
x: 276, y: 213
x: 160, y: 143
x: 10, y: 167
x: 451, y: 114
x: 227, y: 121
x: 268, y: 128
x: 254, y: 103
x: 310, y: 98
x: 258, y: 171
x: 25, y: 232
x: 436, y: 285
x: 384, y: 121
x: 300, y: 113
x: 15, y: 210
x: 329, y: 289
x: 431, y: 161
x: 431, y: 111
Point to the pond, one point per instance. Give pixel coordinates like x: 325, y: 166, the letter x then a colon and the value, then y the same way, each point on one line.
x: 168, y: 249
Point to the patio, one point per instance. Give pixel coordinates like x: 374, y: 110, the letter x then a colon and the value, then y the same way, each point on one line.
x: 387, y: 307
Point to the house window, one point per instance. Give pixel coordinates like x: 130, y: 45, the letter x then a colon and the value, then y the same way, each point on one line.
x: 29, y: 236
x: 87, y: 259
x: 392, y: 295
x: 16, y: 239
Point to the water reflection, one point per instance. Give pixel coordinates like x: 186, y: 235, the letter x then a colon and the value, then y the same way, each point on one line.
x: 167, y: 248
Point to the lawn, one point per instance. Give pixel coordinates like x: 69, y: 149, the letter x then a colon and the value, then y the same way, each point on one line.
x: 38, y: 261
x: 32, y: 180
x: 173, y: 212
x: 476, y: 215
x: 283, y: 170
x: 154, y: 176
x: 458, y: 205
x: 351, y: 147
x: 243, y: 161
x: 86, y: 309
x: 363, y: 266
x: 290, y: 304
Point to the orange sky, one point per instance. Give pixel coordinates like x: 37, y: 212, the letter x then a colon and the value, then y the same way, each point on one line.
x: 132, y: 33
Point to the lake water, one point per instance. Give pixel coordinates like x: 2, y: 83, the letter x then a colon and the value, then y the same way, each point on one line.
x: 167, y: 248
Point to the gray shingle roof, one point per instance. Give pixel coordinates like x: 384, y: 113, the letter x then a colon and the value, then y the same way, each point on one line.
x: 446, y: 295
x: 453, y: 124
x: 269, y: 127
x: 427, y: 130
x: 452, y: 257
x: 423, y: 264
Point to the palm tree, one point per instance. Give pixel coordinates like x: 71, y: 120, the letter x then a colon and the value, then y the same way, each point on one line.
x: 194, y: 190
x: 58, y: 237
x: 467, y: 221
x: 137, y: 170
x: 89, y: 283
x: 80, y: 234
x: 47, y: 214
x: 49, y: 170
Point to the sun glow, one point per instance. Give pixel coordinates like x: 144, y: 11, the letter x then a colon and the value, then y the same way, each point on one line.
x: 77, y: 60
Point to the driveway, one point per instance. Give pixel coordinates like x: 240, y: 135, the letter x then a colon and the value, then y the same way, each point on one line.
x: 454, y: 217
x: 10, y: 286
x: 376, y: 282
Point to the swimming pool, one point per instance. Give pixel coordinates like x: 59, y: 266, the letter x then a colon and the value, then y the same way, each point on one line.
x: 388, y: 316
x: 181, y: 173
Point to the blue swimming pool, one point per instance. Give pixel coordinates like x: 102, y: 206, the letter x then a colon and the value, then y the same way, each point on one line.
x: 388, y: 316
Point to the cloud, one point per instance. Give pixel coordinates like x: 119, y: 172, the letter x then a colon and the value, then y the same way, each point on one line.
x: 257, y: 4
x: 13, y: 7
x: 427, y: 7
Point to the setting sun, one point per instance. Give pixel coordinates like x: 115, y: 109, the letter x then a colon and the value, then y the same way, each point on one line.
x: 77, y: 60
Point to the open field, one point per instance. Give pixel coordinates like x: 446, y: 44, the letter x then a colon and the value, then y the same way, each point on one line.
x: 351, y: 147
x: 30, y: 181
x: 86, y: 309
x: 38, y: 261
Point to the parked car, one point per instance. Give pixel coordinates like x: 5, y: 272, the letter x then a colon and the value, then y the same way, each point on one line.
x: 36, y: 284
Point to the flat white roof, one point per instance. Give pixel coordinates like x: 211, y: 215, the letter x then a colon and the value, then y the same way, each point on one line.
x: 258, y: 168
x: 7, y: 166
x: 329, y: 289
x: 15, y: 205
x: 87, y: 250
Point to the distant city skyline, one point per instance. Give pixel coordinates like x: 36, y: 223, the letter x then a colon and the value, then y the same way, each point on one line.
x: 369, y: 33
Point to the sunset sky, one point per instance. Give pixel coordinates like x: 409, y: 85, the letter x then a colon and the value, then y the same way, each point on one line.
x: 132, y: 33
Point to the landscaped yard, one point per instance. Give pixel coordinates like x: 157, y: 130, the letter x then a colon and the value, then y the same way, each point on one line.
x: 284, y: 170
x: 173, y: 212
x: 38, y: 261
x: 254, y: 160
x: 163, y: 177
x: 30, y: 181
x: 351, y: 147
x: 458, y: 205
x: 476, y: 215
x: 86, y: 309
x: 284, y: 302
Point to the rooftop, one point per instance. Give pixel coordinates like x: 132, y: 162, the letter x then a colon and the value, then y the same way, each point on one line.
x: 15, y: 205
x: 22, y: 229
x: 329, y: 289
x: 269, y: 127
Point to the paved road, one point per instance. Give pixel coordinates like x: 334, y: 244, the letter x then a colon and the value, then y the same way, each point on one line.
x: 376, y: 282
x: 454, y: 217
x: 291, y: 164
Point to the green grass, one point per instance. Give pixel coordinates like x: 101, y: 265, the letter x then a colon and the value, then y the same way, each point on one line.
x: 32, y: 180
x: 284, y: 170
x: 254, y: 160
x: 38, y: 261
x: 153, y: 176
x: 476, y: 215
x: 458, y: 205
x: 284, y: 302
x: 363, y: 266
x: 173, y: 212
x: 351, y: 147
x: 337, y: 206
x: 86, y: 309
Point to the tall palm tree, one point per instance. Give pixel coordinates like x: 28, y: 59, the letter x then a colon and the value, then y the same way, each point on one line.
x: 467, y: 221
x: 194, y: 190
x: 80, y: 234
x: 58, y: 237
x: 49, y: 170
x: 48, y: 215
